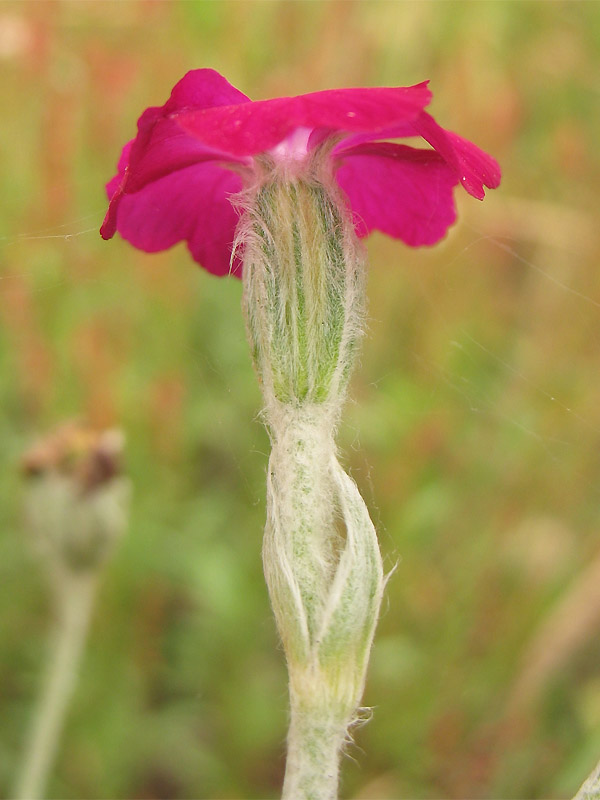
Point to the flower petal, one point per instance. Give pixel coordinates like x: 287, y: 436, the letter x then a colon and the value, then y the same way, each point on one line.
x: 191, y: 205
x: 475, y: 169
x: 161, y: 147
x: 173, y: 183
x: 249, y: 128
x: 404, y: 192
x: 115, y: 192
x: 203, y: 88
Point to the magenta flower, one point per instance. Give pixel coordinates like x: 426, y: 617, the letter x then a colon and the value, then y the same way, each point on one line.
x: 176, y: 178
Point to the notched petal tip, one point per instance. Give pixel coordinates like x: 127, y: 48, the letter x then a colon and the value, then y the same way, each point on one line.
x: 486, y: 173
x: 478, y: 169
x: 473, y: 167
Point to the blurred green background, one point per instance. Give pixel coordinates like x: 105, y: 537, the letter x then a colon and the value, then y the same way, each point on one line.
x: 473, y: 428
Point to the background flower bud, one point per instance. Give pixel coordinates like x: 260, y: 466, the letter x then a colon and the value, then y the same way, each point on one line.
x: 76, y: 499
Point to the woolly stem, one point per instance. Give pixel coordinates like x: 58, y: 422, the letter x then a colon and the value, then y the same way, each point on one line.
x: 312, y: 767
x: 65, y: 655
x: 325, y: 579
x: 590, y: 790
x: 303, y: 302
x: 298, y: 548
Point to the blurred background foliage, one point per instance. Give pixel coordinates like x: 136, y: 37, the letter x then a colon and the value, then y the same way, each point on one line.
x: 473, y: 428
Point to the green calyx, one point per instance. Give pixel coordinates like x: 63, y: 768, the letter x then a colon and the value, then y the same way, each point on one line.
x: 303, y: 295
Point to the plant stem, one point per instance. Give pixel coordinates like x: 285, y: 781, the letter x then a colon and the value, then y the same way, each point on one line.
x: 75, y: 605
x: 312, y: 767
x: 304, y: 303
x: 591, y: 787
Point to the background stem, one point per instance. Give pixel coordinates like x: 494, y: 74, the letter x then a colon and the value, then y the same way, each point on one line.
x: 67, y: 643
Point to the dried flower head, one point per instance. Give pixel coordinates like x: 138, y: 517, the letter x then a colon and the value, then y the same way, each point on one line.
x: 76, y: 497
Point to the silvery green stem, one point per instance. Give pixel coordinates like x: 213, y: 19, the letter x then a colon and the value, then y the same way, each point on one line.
x: 326, y: 612
x: 303, y: 302
x: 312, y: 767
x: 65, y: 655
x: 591, y: 787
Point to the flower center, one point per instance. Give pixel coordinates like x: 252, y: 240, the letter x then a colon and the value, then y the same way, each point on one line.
x: 294, y: 148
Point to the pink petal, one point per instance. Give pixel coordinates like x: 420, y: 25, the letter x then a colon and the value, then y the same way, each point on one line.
x: 475, y: 169
x: 115, y: 193
x: 113, y: 184
x: 189, y: 205
x: 252, y: 128
x: 203, y: 88
x: 167, y: 148
x: 161, y: 147
x: 404, y: 192
x: 172, y: 183
x: 402, y: 131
